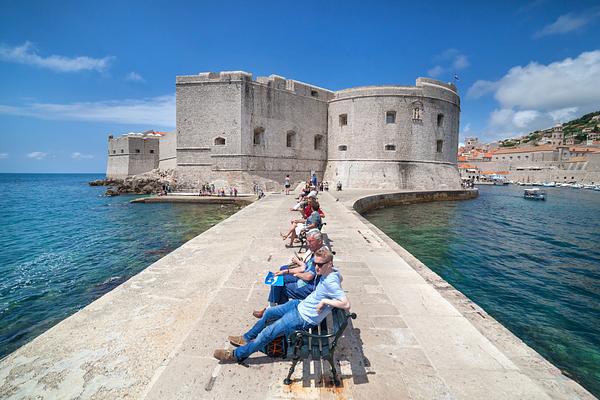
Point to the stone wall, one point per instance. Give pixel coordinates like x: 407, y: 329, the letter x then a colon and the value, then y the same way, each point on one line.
x: 233, y: 130
x: 218, y: 114
x: 168, y: 151
x: 368, y: 148
x: 131, y: 155
x: 394, y: 199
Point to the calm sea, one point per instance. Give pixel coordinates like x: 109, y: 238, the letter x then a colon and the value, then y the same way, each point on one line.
x: 63, y: 245
x: 532, y: 265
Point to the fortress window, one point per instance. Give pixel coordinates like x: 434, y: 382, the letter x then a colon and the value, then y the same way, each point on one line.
x: 314, y: 93
x: 290, y: 139
x: 416, y: 114
x: 137, y: 150
x: 440, y: 119
x: 219, y: 141
x: 151, y: 151
x: 318, y: 142
x: 439, y: 145
x: 390, y: 117
x: 114, y: 152
x: 390, y: 147
x: 342, y: 147
x: 259, y: 136
x: 343, y: 119
x: 122, y: 151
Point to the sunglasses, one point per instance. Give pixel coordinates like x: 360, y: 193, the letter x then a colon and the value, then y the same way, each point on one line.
x: 321, y: 264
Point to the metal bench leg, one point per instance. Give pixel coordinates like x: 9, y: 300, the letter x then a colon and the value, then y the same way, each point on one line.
x: 336, y: 380
x: 288, y: 380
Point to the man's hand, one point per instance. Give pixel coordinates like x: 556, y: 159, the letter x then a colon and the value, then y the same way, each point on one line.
x: 320, y: 306
x: 280, y: 272
x: 297, y: 260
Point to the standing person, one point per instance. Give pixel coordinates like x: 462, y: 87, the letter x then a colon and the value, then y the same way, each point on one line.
x: 314, y: 181
x: 287, y: 183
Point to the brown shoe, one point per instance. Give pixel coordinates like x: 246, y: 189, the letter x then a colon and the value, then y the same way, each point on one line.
x: 237, y: 341
x: 224, y: 355
x: 259, y: 313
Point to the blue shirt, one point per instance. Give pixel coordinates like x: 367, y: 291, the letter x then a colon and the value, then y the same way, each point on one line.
x: 314, y: 218
x: 329, y: 287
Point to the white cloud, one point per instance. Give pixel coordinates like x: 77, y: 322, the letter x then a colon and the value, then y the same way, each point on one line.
x: 27, y: 54
x: 155, y: 111
x: 481, y: 88
x: 522, y: 119
x: 563, y: 114
x: 80, y: 156
x: 536, y: 96
x: 3, y: 156
x: 558, y: 85
x: 460, y: 62
x: 567, y: 23
x: 448, y: 61
x: 37, y: 155
x: 436, y: 71
x: 134, y: 77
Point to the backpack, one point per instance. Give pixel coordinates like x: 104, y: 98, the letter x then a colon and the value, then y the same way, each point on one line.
x: 277, y: 348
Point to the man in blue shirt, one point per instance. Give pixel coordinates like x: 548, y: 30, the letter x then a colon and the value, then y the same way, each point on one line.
x: 298, y: 277
x: 293, y: 315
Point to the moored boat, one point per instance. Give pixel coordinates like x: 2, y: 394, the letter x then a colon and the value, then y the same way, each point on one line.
x: 534, y: 194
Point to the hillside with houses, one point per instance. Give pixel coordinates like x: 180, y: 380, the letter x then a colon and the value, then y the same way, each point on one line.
x: 568, y: 153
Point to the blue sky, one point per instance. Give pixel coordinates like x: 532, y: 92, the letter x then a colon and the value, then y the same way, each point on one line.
x: 71, y: 72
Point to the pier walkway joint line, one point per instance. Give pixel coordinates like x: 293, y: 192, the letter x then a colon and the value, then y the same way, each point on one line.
x: 153, y: 337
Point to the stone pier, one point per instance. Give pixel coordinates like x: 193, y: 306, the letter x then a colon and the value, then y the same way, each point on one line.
x: 153, y: 337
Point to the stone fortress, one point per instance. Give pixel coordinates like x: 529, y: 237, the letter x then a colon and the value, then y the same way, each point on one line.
x: 233, y: 130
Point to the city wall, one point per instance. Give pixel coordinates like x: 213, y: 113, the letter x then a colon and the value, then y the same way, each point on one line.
x: 131, y: 155
x: 393, y: 137
x: 233, y: 130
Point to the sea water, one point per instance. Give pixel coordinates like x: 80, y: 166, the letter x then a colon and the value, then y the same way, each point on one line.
x: 533, y: 265
x: 64, y: 244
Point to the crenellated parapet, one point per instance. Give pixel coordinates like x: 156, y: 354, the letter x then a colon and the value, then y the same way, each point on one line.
x: 240, y: 130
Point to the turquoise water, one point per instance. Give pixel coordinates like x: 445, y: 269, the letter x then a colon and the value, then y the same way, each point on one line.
x: 532, y: 265
x: 63, y: 245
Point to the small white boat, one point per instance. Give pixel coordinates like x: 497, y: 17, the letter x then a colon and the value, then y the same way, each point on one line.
x: 577, y: 186
x: 597, y: 188
x: 549, y: 184
x: 589, y: 187
x: 534, y: 194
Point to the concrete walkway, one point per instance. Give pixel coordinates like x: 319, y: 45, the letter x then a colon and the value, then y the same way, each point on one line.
x: 153, y: 336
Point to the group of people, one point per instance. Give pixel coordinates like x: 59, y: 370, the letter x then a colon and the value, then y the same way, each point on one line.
x: 208, y: 189
x: 311, y: 287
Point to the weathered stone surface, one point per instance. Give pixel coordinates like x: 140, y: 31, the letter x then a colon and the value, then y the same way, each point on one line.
x: 152, y: 337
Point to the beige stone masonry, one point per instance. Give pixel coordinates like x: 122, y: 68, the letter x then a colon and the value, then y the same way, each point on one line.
x: 153, y: 336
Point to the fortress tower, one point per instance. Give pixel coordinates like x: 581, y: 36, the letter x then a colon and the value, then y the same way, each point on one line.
x: 394, y: 137
x: 233, y: 130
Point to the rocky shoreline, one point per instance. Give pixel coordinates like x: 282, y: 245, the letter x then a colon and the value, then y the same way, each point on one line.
x: 147, y: 183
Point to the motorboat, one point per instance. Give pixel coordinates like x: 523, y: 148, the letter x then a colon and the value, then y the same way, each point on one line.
x: 549, y: 184
x: 534, y: 194
x: 589, y: 187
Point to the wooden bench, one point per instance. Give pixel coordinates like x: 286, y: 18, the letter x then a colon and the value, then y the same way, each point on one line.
x: 319, y: 343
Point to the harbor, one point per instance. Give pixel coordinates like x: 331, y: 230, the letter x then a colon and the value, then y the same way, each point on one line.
x: 415, y: 337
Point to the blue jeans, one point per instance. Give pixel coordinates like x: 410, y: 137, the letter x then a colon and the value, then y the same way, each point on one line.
x: 285, y: 319
x: 290, y: 289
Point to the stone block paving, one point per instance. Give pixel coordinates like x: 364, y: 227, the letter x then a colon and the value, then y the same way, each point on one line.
x: 153, y: 337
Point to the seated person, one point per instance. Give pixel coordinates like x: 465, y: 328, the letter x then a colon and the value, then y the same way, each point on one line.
x: 298, y: 225
x: 298, y: 277
x: 293, y: 315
